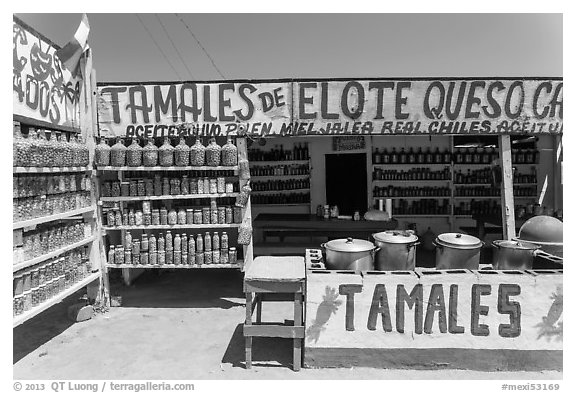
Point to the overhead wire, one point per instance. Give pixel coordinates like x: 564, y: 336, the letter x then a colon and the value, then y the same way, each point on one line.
x: 158, y: 47
x: 201, y: 46
x: 174, y: 46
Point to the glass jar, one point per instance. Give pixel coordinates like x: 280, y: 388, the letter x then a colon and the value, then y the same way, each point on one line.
x: 221, y: 215
x: 206, y: 215
x: 184, y: 185
x: 153, y: 258
x: 155, y: 217
x: 150, y: 154
x: 175, y: 187
x: 102, y: 153
x: 213, y: 216
x: 166, y: 153
x: 229, y: 215
x: 125, y: 188
x: 221, y: 185
x: 197, y: 153
x: 213, y: 186
x: 163, y: 216
x: 216, y: 256
x: 133, y: 187
x: 181, y: 217
x: 118, y: 153
x: 58, y: 149
x: 157, y: 185
x: 189, y: 216
x: 20, y: 147
x: 134, y: 153
x: 198, y: 216
x: 224, y: 256
x: 213, y: 153
x: 193, y: 186
x: 111, y: 255
x: 200, y: 186
x: 131, y: 218
x: 182, y: 153
x: 232, y: 255
x: 161, y: 257
x: 191, y: 246
x: 172, y: 217
x: 206, y: 185
x: 208, y: 257
x: 119, y: 256
x: 237, y: 215
x: 165, y: 186
x: 141, y: 188
x: 229, y: 153
x: 118, y: 218
x: 149, y: 186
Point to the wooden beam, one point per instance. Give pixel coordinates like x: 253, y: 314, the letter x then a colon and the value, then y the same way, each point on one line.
x: 507, y: 199
x: 242, y: 146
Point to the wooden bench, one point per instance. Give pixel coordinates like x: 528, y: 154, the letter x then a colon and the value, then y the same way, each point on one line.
x: 275, y: 275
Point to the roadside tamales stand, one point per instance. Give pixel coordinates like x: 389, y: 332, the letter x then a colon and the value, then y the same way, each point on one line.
x: 366, y: 303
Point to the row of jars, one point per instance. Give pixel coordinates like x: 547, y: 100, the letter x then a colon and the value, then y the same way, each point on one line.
x: 38, y: 284
x: 422, y: 206
x: 166, y: 155
x: 162, y: 185
x: 147, y: 216
x: 36, y: 150
x: 35, y: 207
x: 178, y: 242
x: 280, y: 199
x: 481, y: 208
x: 411, y: 174
x: 120, y: 255
x: 281, y: 185
x: 43, y: 241
x: 280, y: 170
x: 24, y: 186
x: 392, y: 191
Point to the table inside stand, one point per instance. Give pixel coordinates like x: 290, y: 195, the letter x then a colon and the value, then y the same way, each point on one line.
x: 481, y: 230
x: 275, y: 275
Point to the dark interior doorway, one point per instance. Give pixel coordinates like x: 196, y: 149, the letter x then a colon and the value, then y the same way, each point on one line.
x: 346, y: 184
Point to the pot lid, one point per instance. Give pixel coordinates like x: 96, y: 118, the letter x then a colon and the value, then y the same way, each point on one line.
x: 350, y: 245
x: 458, y: 240
x: 516, y: 245
x: 542, y: 229
x: 402, y: 237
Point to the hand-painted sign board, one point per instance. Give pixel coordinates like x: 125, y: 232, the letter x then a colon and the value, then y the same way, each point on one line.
x: 156, y: 110
x: 335, y: 107
x: 458, y: 309
x: 40, y: 89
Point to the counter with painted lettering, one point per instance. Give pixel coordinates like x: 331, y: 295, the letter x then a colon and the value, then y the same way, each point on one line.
x: 486, y: 319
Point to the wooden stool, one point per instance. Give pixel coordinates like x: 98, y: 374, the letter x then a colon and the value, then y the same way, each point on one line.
x: 280, y: 275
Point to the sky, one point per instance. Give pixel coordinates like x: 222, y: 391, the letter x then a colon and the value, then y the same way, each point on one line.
x: 262, y: 46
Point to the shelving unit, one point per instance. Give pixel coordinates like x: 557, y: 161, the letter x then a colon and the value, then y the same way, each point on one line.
x: 25, y: 169
x: 277, y: 163
x: 41, y: 220
x: 34, y: 261
x: 20, y: 319
x: 271, y: 192
x: 116, y: 235
x: 451, y: 183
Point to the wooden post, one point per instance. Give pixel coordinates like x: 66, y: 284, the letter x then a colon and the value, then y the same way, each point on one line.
x: 507, y: 194
x: 246, y: 211
x: 557, y: 172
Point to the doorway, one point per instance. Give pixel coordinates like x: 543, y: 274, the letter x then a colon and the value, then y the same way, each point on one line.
x: 346, y: 184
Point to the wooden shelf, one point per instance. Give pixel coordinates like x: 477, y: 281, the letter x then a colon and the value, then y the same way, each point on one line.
x: 295, y: 191
x: 22, y: 169
x: 274, y: 177
x: 489, y: 184
x: 41, y: 220
x: 19, y: 319
x: 278, y: 163
x: 53, y: 254
x: 281, y: 204
x: 181, y: 266
x: 168, y: 197
x: 166, y: 168
x: 184, y: 226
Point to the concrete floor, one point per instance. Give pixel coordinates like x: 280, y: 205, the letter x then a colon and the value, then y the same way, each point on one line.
x: 180, y: 325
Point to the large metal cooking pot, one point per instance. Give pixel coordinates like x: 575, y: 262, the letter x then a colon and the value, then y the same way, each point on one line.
x: 513, y: 254
x: 543, y: 231
x: 397, y: 250
x: 457, y: 251
x: 349, y: 254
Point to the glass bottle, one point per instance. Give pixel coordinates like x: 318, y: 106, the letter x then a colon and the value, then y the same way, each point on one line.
x: 166, y: 153
x: 169, y: 241
x: 224, y: 241
x: 111, y: 254
x: 376, y: 157
x: 197, y: 153
x: 182, y: 153
x: 161, y: 242
x: 402, y: 156
x: 207, y: 242
x: 385, y: 156
x: 215, y: 241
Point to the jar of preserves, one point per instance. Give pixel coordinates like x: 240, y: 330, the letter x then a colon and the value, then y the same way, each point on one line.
x: 165, y: 186
x: 102, y: 153
x: 157, y: 185
x: 133, y: 187
x: 131, y: 217
x: 237, y: 215
x: 220, y: 185
x: 182, y: 153
x: 150, y: 153
x: 221, y: 215
x: 141, y: 188
x: 175, y: 187
x: 206, y: 215
x: 224, y: 256
x: 229, y: 188
x: 119, y: 256
x: 232, y: 255
x: 213, y: 187
x: 184, y: 185
x: 216, y: 256
x: 111, y: 254
x: 229, y: 153
x: 181, y: 217
x: 224, y: 241
x: 163, y: 216
x: 161, y: 257
x: 208, y: 257
x: 118, y: 219
x: 191, y: 246
x: 200, y: 186
x: 172, y: 217
x: 118, y: 153
x: 161, y: 243
x: 153, y: 258
x: 169, y: 241
x: 198, y: 216
x: 20, y: 147
x: 213, y: 153
x: 197, y: 153
x: 144, y: 258
x: 124, y: 188
x: 146, y: 207
x: 206, y: 185
x: 155, y: 217
x: 135, y: 259
x: 134, y: 153
x: 166, y: 153
x: 207, y: 242
x: 215, y: 241
x: 189, y: 216
x: 193, y: 186
x: 229, y: 215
